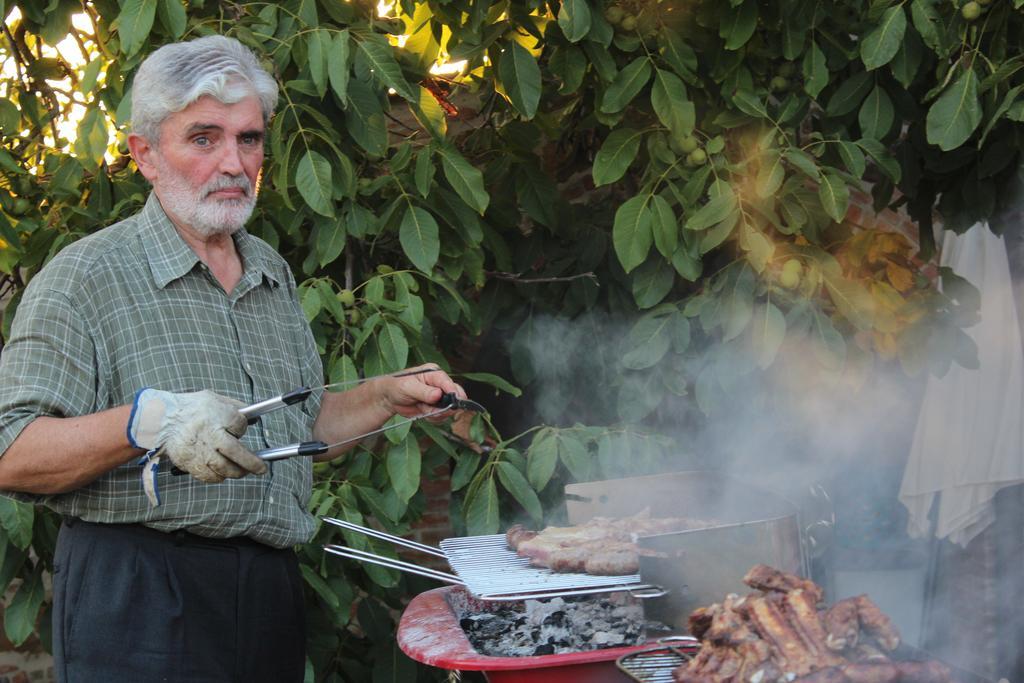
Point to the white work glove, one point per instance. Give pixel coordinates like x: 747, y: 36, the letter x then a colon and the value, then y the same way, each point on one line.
x: 198, y: 431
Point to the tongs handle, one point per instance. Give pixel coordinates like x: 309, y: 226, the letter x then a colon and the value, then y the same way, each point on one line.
x: 253, y: 412
x: 391, y: 538
x: 390, y: 563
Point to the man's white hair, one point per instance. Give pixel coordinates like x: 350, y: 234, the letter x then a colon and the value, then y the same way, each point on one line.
x: 178, y: 74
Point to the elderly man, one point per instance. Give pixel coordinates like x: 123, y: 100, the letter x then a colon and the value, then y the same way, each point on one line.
x: 147, y: 337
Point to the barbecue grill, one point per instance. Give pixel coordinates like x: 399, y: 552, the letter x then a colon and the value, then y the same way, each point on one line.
x: 489, y: 570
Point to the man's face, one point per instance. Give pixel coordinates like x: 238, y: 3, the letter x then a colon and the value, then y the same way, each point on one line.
x: 206, y: 166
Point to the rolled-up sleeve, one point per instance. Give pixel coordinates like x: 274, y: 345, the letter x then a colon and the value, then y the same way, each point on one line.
x: 48, y: 367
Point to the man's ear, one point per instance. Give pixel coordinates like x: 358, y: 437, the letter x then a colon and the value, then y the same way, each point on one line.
x: 143, y: 152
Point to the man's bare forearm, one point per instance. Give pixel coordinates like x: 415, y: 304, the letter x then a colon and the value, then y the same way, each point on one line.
x: 55, y: 455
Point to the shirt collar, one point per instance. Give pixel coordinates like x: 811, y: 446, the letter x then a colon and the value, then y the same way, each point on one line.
x: 170, y: 257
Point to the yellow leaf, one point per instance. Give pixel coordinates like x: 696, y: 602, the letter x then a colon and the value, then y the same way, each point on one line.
x: 901, y: 278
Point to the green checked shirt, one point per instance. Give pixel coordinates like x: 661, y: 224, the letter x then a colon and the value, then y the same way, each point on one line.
x: 131, y: 307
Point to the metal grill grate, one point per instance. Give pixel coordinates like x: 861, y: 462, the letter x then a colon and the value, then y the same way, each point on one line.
x: 655, y: 665
x: 492, y: 571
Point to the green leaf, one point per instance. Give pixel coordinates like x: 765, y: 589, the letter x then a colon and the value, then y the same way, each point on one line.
x: 769, y: 331
x: 173, y: 17
x: 876, y: 114
x: 394, y: 347
x: 89, y: 76
x: 616, y: 154
x: 834, y: 196
x: 881, y: 45
x: 403, y: 464
x: 715, y: 211
x: 430, y: 114
x: 364, y: 119
x: 679, y: 55
x: 669, y: 101
x: 770, y: 174
x: 628, y: 82
x: 10, y: 117
x: 520, y: 77
x: 664, y: 226
x: 631, y: 232
x: 652, y: 281
x: 851, y: 299
x: 465, y: 178
x: 337, y: 65
x: 849, y: 94
x: 574, y: 19
x: 815, y: 70
x: 17, y: 520
x: 318, y: 45
x: 907, y: 61
x: 385, y: 68
x: 648, y: 342
x: 802, y: 162
x: 738, y: 304
x: 319, y: 586
x: 330, y: 241
x: 494, y: 381
x: 424, y: 173
x: 956, y: 114
x: 738, y: 24
x: 482, y: 509
x: 829, y: 345
x: 516, y: 484
x: 929, y: 24
x: 853, y: 158
x: 134, y: 24
x: 749, y: 103
x: 420, y: 239
x: 313, y: 181
x: 91, y: 139
x: 21, y: 615
x: 541, y: 458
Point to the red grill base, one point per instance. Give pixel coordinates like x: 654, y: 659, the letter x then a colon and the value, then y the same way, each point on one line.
x: 429, y: 633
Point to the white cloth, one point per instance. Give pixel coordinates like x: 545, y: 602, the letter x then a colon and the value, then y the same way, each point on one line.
x: 970, y: 432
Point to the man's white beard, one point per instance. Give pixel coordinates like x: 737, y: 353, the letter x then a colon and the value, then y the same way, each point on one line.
x: 197, y: 210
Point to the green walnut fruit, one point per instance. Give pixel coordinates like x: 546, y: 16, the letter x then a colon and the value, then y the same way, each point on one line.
x: 20, y: 206
x: 628, y: 23
x: 786, y: 69
x: 614, y: 14
x: 354, y: 316
x: 689, y: 145
x: 970, y: 11
x: 346, y: 297
x: 779, y: 84
x: 697, y: 157
x: 790, y: 275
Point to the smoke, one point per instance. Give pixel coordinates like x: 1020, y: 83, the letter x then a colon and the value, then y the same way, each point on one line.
x: 833, y: 443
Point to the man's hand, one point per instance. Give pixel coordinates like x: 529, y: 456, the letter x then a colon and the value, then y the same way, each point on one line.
x: 198, y: 431
x: 414, y: 395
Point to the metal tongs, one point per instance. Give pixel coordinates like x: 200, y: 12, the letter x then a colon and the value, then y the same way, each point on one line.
x: 449, y: 401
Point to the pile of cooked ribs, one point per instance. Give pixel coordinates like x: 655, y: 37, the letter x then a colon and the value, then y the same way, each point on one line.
x: 780, y: 634
x: 602, y: 546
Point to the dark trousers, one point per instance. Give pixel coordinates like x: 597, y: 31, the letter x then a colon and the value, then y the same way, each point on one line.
x: 134, y: 605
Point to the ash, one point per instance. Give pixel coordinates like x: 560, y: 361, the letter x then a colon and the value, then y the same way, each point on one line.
x: 551, y: 625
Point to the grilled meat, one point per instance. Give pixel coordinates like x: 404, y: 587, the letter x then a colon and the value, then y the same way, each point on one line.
x: 842, y: 625
x: 768, y: 579
x: 876, y: 624
x: 780, y: 636
x: 602, y: 546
